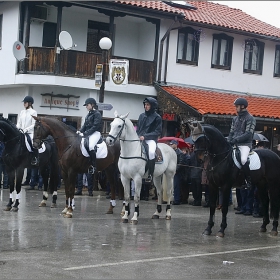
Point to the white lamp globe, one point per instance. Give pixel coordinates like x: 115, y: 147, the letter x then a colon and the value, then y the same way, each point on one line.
x: 105, y: 43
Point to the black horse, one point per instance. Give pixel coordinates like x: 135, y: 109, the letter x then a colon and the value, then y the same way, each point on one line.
x: 222, y: 173
x: 17, y: 157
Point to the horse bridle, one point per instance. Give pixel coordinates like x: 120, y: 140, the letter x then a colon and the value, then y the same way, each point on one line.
x: 41, y: 141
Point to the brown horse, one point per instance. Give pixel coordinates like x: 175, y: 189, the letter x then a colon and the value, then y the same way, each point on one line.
x: 71, y: 159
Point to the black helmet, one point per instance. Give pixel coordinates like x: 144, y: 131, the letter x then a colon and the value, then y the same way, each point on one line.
x: 241, y: 101
x: 153, y: 102
x: 90, y: 101
x: 28, y: 99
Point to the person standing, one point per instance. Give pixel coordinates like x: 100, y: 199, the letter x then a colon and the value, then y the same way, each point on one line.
x: 92, y: 130
x: 26, y: 123
x: 241, y: 134
x: 149, y: 128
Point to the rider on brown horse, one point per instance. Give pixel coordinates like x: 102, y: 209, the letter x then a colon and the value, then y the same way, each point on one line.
x: 91, y: 129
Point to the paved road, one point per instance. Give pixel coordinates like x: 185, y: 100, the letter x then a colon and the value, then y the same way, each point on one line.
x: 38, y: 243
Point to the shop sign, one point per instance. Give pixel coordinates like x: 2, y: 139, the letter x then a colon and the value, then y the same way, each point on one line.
x: 60, y: 101
x: 169, y: 117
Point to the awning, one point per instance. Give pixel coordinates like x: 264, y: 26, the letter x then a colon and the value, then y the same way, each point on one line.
x: 210, y: 102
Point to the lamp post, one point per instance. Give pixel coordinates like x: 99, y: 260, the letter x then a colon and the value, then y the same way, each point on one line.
x: 105, y: 44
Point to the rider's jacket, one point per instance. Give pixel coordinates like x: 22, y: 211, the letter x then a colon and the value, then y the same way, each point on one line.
x: 25, y: 120
x: 149, y: 125
x: 242, y: 129
x: 93, y: 122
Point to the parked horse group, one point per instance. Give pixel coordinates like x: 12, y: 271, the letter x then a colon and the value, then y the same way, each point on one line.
x: 126, y: 155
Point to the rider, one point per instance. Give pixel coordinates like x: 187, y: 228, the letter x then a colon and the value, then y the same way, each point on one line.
x: 26, y: 123
x: 241, y: 134
x: 149, y: 128
x: 92, y: 129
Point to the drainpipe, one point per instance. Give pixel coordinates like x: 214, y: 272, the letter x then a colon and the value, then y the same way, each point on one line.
x: 161, y: 47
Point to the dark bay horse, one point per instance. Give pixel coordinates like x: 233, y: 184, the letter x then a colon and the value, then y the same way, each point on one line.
x: 71, y: 159
x: 222, y: 173
x: 17, y: 157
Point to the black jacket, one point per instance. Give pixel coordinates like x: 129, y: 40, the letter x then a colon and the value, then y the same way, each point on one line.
x: 93, y: 122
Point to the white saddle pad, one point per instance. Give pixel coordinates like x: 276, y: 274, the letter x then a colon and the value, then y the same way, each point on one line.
x: 41, y: 150
x: 102, y: 150
x: 255, y: 162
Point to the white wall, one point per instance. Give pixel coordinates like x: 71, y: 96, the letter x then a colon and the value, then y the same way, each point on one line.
x: 233, y: 80
x: 10, y: 27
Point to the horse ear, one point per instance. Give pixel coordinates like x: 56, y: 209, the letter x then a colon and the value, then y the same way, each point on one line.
x: 116, y: 114
x: 199, y: 126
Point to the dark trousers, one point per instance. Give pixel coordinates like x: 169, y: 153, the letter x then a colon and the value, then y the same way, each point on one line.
x: 3, y: 174
x: 247, y: 199
x: 197, y: 189
x: 177, y: 188
x: 36, y: 178
x: 80, y: 182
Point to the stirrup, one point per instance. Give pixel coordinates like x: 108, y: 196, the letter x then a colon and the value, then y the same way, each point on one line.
x: 149, y: 179
x: 91, y: 169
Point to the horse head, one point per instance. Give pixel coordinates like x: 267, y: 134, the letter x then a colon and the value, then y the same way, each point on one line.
x: 8, y: 130
x: 40, y: 133
x: 117, y: 128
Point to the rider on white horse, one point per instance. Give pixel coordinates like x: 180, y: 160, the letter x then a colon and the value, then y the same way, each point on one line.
x: 91, y: 129
x: 149, y: 128
x: 241, y: 134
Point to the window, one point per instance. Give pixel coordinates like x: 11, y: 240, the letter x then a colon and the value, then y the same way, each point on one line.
x: 1, y: 19
x: 253, y: 56
x: 96, y: 31
x: 188, y: 46
x: 277, y: 62
x: 222, y: 51
x: 49, y: 34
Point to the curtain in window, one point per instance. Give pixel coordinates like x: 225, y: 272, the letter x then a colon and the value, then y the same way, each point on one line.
x: 190, y: 47
x: 215, y: 52
x: 224, y: 52
x: 181, y: 45
x: 255, y: 58
x: 247, y: 56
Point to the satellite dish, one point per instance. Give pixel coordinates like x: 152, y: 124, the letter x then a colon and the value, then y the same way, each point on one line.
x: 65, y: 40
x: 19, y: 50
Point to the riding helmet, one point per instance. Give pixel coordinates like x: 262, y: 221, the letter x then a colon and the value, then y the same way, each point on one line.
x: 152, y: 101
x: 241, y: 101
x: 90, y: 101
x: 28, y: 99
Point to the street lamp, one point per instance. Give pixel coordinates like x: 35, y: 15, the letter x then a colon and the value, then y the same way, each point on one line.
x: 105, y: 44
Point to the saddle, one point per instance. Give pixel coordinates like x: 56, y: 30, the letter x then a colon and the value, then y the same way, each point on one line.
x: 86, y: 144
x: 158, y: 154
x: 254, y: 159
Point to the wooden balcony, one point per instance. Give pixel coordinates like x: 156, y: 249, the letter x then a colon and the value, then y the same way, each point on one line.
x: 82, y: 65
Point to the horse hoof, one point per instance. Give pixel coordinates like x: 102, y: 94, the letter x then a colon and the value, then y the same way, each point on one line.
x: 64, y: 211
x: 167, y: 217
x: 53, y: 205
x: 122, y: 213
x: 134, y: 222
x: 110, y: 211
x: 125, y: 221
x: 42, y: 204
x: 67, y: 215
x: 220, y: 234
x: 8, y: 208
x: 155, y: 217
x: 274, y: 233
x: 14, y: 209
x: 207, y: 232
x: 262, y: 229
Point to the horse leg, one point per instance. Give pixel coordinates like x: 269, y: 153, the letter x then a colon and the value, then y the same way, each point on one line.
x: 158, y: 185
x: 11, y: 182
x: 138, y: 186
x: 126, y: 185
x: 213, y: 193
x: 45, y: 175
x: 110, y: 174
x: 67, y: 195
x: 223, y: 226
x: 19, y: 177
x: 71, y: 201
x: 274, y: 208
x: 264, y: 198
x: 53, y: 184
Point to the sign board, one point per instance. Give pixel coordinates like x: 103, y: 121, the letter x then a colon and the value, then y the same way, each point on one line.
x: 98, y: 75
x: 169, y: 117
x: 104, y: 106
x: 60, y: 101
x: 119, y: 69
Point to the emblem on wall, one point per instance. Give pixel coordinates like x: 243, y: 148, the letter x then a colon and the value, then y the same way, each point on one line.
x: 119, y: 72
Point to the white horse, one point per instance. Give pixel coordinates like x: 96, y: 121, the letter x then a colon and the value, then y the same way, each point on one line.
x: 132, y: 165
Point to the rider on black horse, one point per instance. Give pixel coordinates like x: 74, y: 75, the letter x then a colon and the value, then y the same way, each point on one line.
x: 241, y: 134
x: 91, y: 129
x: 149, y: 128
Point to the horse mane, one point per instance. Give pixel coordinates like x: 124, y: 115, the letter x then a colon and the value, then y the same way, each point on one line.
x: 211, y: 127
x: 9, y: 122
x: 65, y: 126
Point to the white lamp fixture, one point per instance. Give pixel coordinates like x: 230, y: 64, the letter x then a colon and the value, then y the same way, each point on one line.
x: 105, y: 43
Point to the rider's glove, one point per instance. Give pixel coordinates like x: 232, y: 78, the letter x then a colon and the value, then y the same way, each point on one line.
x: 25, y: 130
x: 79, y: 133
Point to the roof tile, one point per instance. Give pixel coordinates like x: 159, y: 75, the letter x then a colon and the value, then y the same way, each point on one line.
x: 218, y: 103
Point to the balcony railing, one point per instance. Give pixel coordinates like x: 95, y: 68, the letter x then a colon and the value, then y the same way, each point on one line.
x: 82, y: 65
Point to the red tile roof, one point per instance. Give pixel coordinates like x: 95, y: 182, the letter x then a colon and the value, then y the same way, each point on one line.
x: 213, y: 14
x: 217, y: 103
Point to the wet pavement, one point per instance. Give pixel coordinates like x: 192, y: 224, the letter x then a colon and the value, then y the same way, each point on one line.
x: 39, y: 243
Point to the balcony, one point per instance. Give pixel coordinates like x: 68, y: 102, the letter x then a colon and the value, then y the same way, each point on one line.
x: 80, y: 64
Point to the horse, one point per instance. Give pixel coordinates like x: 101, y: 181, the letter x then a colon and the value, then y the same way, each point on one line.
x: 132, y: 165
x: 71, y: 159
x: 223, y: 172
x: 17, y: 157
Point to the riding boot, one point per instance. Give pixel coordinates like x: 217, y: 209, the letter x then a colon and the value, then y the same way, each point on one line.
x: 246, y: 170
x: 35, y: 159
x: 92, y: 167
x: 151, y: 169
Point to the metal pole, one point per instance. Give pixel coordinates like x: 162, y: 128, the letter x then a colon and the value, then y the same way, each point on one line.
x: 102, y: 88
